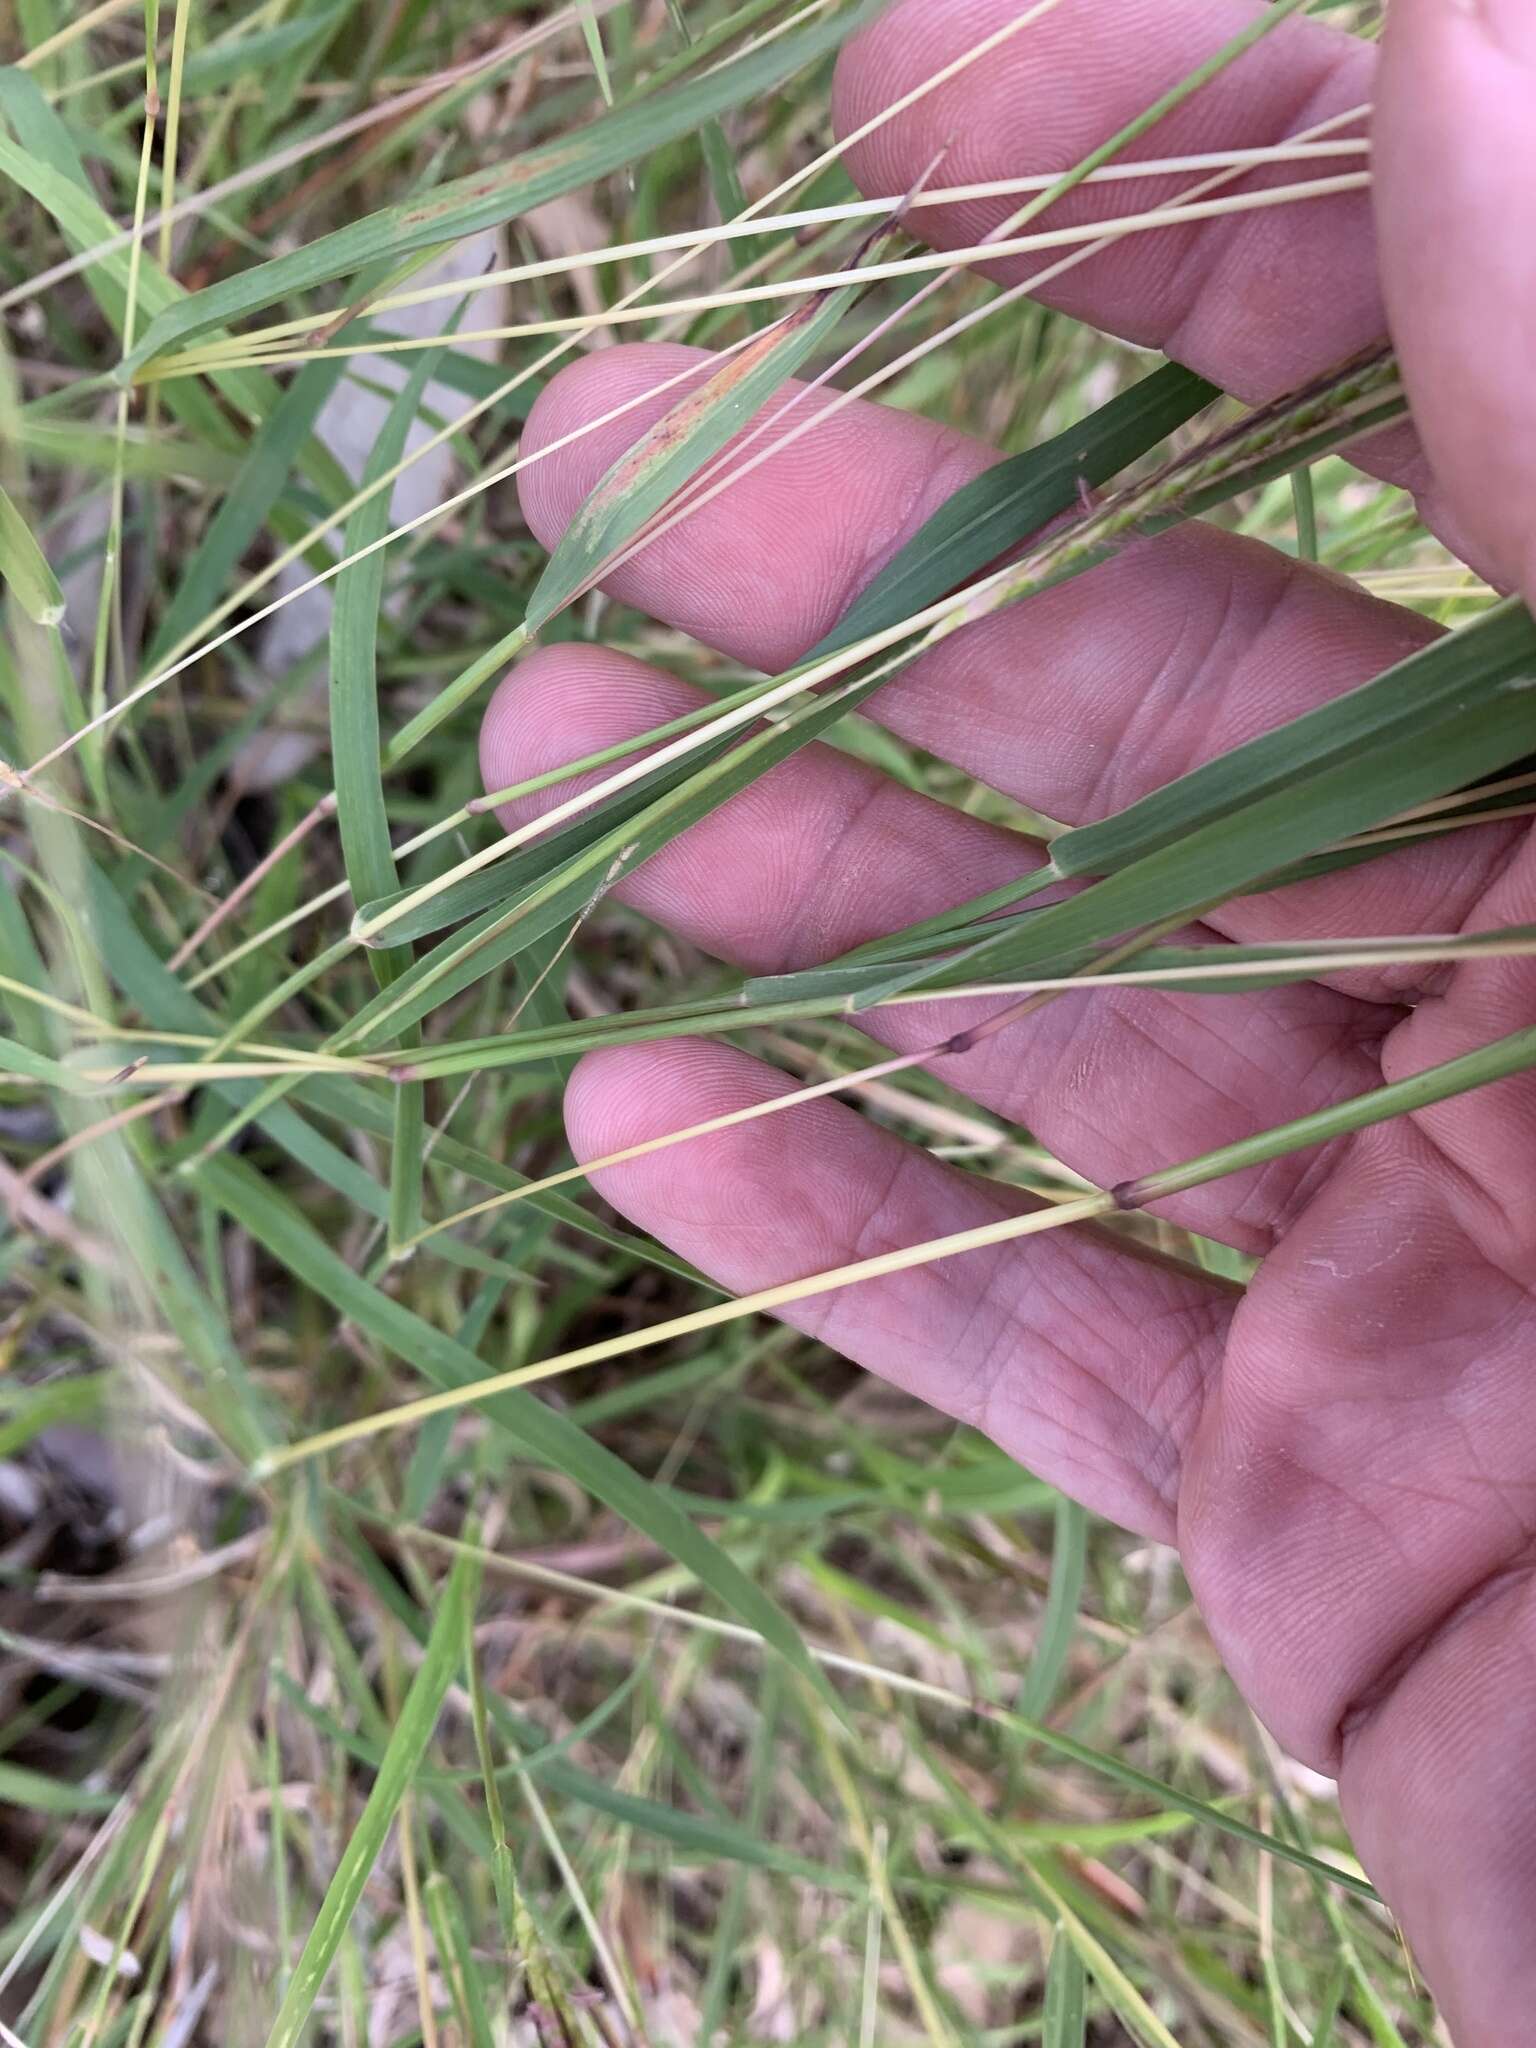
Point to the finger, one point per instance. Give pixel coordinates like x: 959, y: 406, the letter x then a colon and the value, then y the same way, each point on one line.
x: 1089, y: 1366
x: 1456, y: 201
x: 1258, y: 302
x: 1078, y: 701
x: 824, y: 853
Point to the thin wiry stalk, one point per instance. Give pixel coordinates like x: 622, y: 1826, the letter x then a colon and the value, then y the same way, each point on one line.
x: 237, y: 355
x: 109, y: 620
x: 1510, y: 1055
x: 693, y: 240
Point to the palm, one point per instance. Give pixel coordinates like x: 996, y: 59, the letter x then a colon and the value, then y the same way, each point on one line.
x: 1345, y: 1454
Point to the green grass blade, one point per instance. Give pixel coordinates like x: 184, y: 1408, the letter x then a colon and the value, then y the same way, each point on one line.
x: 1486, y: 726
x: 1497, y: 651
x: 719, y: 157
x: 1058, y: 1624
x: 592, y: 32
x: 78, y: 444
x: 488, y: 198
x: 362, y: 811
x: 263, y: 477
x: 362, y: 814
x: 24, y: 568
x: 220, y: 64
x: 457, y: 1961
x: 1015, y: 498
x: 407, y: 1746
x: 37, y: 1793
x: 1066, y: 1996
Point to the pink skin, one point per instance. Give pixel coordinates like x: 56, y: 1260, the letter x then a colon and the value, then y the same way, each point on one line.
x: 1347, y: 1456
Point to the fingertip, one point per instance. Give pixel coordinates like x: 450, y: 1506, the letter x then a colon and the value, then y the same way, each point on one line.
x: 623, y: 1095
x: 628, y: 1095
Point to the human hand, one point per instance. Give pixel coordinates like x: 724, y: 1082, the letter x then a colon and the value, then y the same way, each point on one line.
x: 1346, y: 1456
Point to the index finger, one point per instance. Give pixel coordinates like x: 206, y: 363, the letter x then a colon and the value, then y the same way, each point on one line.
x: 1257, y: 301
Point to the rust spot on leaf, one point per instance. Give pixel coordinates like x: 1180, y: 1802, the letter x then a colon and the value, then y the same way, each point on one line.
x: 522, y: 170
x: 674, y: 427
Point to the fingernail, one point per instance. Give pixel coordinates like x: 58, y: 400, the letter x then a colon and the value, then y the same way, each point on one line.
x: 1512, y: 25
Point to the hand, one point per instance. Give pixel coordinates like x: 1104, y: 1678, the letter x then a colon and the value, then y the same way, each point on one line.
x: 1346, y: 1456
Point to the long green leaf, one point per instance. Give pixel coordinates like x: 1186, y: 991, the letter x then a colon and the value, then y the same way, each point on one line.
x: 1066, y: 1992
x: 407, y: 1746
x: 1468, y: 712
x: 1058, y: 1624
x: 263, y: 477
x: 24, y: 568
x: 362, y: 814
x: 501, y: 192
x: 36, y: 1793
x: 1496, y: 651
x: 212, y: 69
x: 1013, y: 499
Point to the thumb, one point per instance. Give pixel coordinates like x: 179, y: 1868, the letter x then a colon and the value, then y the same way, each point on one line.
x: 1456, y: 209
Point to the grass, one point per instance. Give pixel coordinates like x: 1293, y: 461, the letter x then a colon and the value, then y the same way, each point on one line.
x: 350, y: 1691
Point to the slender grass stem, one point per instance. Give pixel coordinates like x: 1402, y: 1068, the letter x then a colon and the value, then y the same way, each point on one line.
x: 239, y: 355
x: 1506, y: 1056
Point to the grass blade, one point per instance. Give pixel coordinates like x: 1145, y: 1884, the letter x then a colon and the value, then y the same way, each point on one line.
x: 647, y: 475
x: 1452, y: 713
x: 1014, y: 499
x: 488, y: 198
x: 246, y: 508
x: 407, y: 1746
x: 1497, y: 651
x: 1058, y: 1624
x: 24, y: 568
x: 1066, y: 1996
